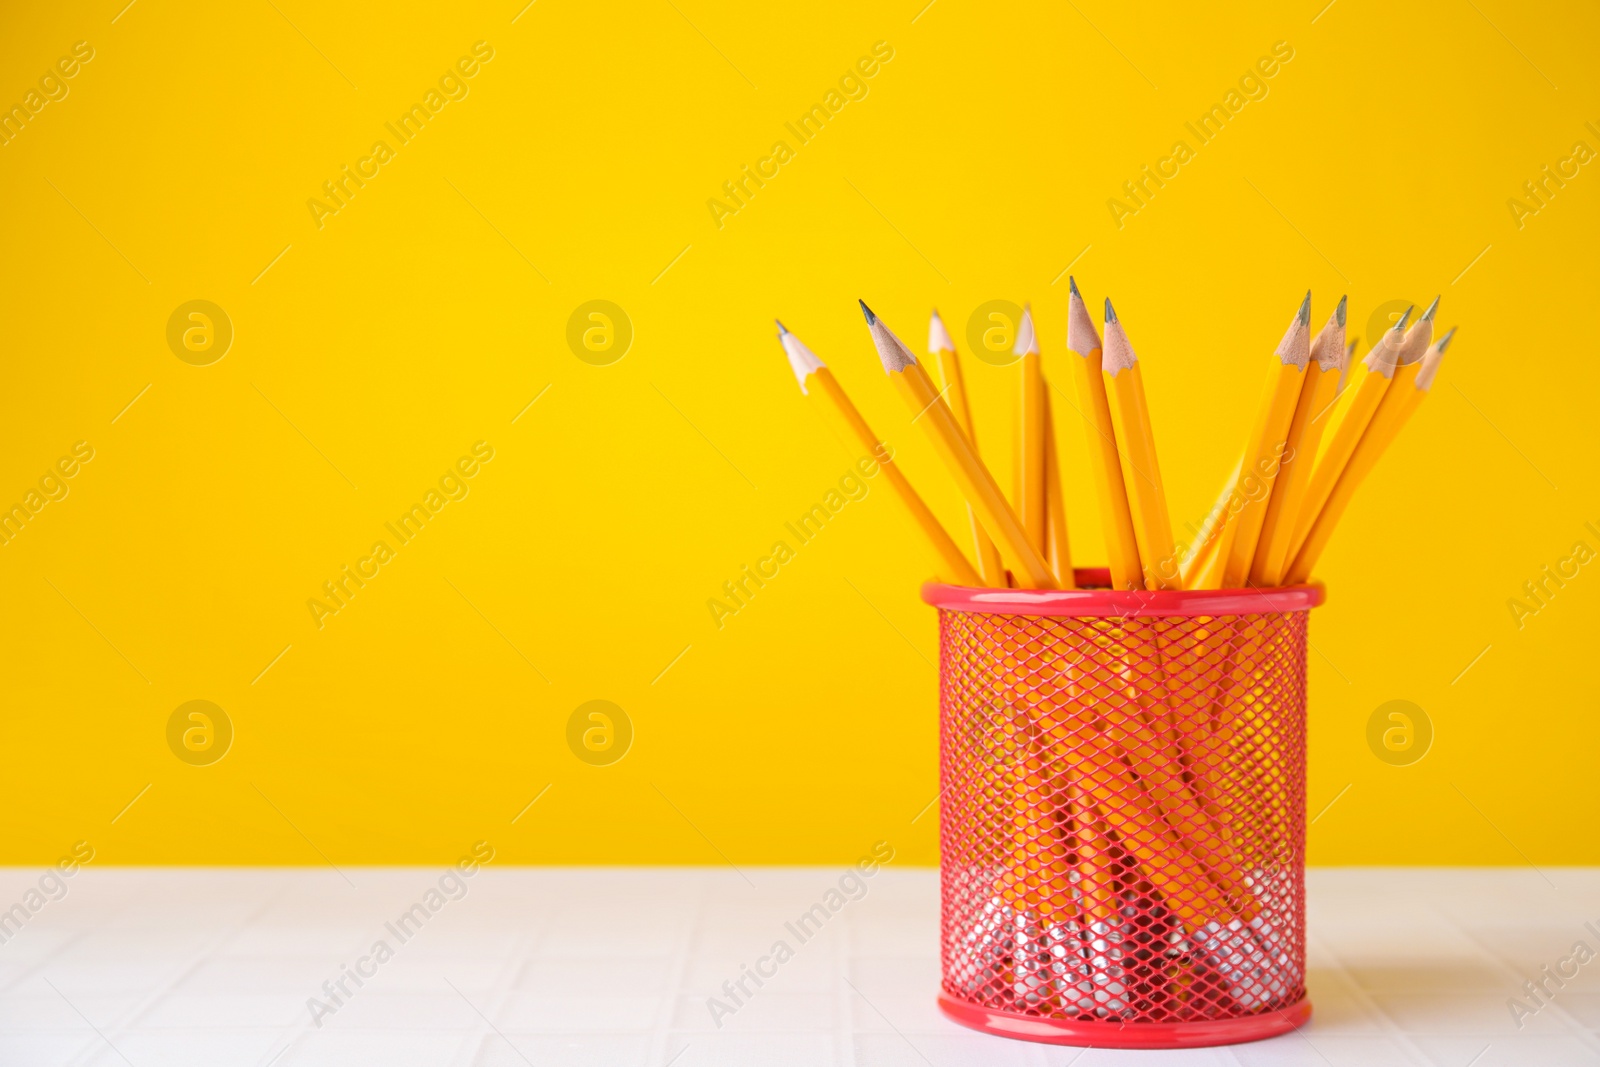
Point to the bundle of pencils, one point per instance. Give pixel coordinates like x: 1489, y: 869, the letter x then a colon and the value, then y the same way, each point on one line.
x: 1277, y: 510
x: 1137, y: 813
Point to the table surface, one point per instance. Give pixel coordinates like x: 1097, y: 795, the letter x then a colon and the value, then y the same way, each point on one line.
x: 614, y: 966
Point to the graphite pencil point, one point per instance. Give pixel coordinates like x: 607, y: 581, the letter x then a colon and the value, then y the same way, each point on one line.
x: 1339, y: 312
x: 1427, y: 316
x: 1111, y: 312
x: 871, y: 318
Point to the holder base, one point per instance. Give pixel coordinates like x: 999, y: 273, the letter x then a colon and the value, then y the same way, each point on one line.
x: 1105, y: 1034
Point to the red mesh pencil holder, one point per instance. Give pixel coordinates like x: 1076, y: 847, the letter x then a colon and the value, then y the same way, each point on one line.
x: 1122, y: 822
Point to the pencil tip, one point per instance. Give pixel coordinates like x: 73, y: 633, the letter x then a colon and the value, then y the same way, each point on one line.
x: 938, y: 336
x: 1352, y: 349
x: 1399, y: 325
x: 1111, y: 313
x: 1427, y: 316
x: 1072, y: 287
x: 1305, y: 309
x: 782, y: 329
x: 1338, y: 313
x: 1444, y: 342
x: 871, y: 318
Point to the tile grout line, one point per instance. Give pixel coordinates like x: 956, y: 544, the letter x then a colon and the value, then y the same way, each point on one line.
x: 474, y: 1046
x: 1393, y: 1030
x: 127, y: 1024
x: 1581, y: 1033
x: 661, y: 1052
x: 844, y: 1029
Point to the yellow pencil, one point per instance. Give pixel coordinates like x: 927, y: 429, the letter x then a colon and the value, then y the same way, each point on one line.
x: 1201, y: 568
x: 1264, y: 453
x: 1318, y: 393
x: 973, y: 478
x: 1030, y: 495
x: 992, y: 570
x: 1200, y: 557
x: 1380, y: 363
x: 1116, y: 520
x: 809, y: 370
x: 1142, y: 476
x: 1404, y: 396
x: 1058, y: 548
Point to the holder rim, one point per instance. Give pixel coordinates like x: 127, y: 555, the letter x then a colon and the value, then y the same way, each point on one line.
x: 1202, y: 1033
x: 1100, y: 601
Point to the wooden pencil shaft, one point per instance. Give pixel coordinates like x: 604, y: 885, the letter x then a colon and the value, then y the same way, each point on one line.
x: 1263, y: 458
x: 1199, y: 554
x: 1058, y: 547
x: 1400, y: 401
x: 1346, y: 436
x: 1116, y: 520
x: 1294, y: 477
x: 972, y: 477
x: 1031, y: 451
x: 990, y: 567
x: 1142, y: 474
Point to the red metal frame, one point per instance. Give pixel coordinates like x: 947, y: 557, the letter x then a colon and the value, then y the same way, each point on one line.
x: 1200, y: 1034
x: 1123, y: 817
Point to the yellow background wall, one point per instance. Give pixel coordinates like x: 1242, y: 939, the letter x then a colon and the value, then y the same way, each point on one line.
x: 426, y: 314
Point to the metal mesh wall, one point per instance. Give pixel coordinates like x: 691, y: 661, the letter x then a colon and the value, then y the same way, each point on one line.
x: 1123, y: 815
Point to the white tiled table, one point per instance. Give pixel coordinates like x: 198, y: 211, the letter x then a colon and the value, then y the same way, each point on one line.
x: 613, y: 967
